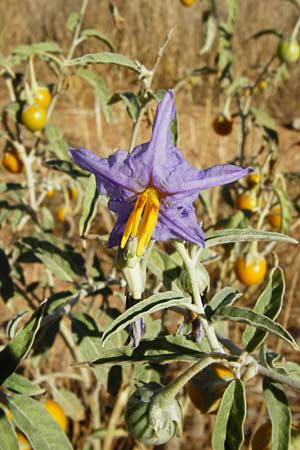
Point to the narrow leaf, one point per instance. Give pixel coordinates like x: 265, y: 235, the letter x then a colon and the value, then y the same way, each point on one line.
x: 20, y: 345
x: 279, y: 413
x: 37, y: 424
x: 21, y: 385
x: 229, y: 236
x: 225, y: 297
x: 104, y: 58
x: 269, y: 304
x: 89, y: 206
x: 8, y: 438
x: 228, y: 432
x: 90, y: 32
x: 152, y: 304
x: 250, y: 317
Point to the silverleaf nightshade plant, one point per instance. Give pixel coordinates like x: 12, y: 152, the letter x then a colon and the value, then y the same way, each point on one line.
x: 152, y: 189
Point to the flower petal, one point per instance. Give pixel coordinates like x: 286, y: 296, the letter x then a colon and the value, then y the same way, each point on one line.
x: 119, y: 176
x: 122, y: 209
x: 186, y: 181
x: 178, y: 223
x: 161, y: 136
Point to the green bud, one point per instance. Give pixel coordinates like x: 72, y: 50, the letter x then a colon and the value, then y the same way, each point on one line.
x: 203, y: 279
x: 151, y: 417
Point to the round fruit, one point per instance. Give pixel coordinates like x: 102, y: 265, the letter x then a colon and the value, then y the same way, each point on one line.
x: 43, y: 97
x: 252, y: 179
x: 51, y: 192
x: 246, y: 201
x: 34, y: 117
x: 274, y: 217
x: 223, y: 125
x: 263, y: 84
x: 207, y: 387
x: 152, y: 424
x: 56, y: 411
x: 250, y: 271
x: 187, y: 2
x: 23, y: 443
x: 262, y: 438
x: 12, y: 161
x: 288, y: 51
x: 62, y: 212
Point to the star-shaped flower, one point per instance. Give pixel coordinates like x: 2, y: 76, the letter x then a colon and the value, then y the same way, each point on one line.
x: 152, y: 189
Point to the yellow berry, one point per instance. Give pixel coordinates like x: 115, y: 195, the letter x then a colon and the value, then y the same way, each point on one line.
x: 56, y: 411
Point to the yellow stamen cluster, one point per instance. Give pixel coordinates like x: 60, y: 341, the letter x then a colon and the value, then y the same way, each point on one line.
x: 142, y: 220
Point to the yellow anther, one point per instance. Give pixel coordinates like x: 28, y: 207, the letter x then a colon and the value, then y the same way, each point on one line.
x: 142, y: 220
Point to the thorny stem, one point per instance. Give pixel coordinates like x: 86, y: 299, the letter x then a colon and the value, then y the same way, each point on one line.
x: 190, y: 266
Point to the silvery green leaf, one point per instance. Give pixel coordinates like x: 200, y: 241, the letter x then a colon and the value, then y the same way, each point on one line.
x: 89, y: 206
x: 90, y: 32
x: 268, y: 304
x: 40, y: 428
x: 104, y: 58
x: 228, y: 432
x: 229, y: 236
x: 156, y: 302
x: 280, y: 415
x: 8, y: 437
x: 245, y: 315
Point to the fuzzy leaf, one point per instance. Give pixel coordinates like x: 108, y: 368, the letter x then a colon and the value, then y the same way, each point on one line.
x: 18, y: 383
x: 152, y: 304
x: 104, y: 58
x: 279, y: 413
x: 90, y: 32
x: 269, y: 304
x: 37, y: 424
x: 228, y: 432
x: 8, y: 438
x: 19, y: 345
x: 258, y: 321
x: 230, y: 236
x: 89, y: 206
x: 224, y: 297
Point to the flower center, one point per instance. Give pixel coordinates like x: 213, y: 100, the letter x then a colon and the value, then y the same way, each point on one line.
x: 142, y: 219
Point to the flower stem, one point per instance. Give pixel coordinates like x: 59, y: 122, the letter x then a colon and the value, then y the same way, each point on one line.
x: 190, y: 266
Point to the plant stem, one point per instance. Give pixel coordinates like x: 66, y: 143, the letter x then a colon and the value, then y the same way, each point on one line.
x: 190, y: 266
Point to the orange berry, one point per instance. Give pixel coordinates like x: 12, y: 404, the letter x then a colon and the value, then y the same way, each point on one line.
x: 223, y: 125
x: 207, y: 387
x: 187, y: 2
x: 51, y: 193
x: 250, y: 271
x: 274, y: 217
x: 246, y: 201
x: 43, y: 97
x: 62, y: 212
x: 253, y: 179
x: 56, y: 411
x: 12, y: 161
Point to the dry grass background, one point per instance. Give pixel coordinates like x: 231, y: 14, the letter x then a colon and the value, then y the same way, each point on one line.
x: 147, y: 22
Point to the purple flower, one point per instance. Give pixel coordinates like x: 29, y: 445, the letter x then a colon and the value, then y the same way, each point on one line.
x: 152, y: 189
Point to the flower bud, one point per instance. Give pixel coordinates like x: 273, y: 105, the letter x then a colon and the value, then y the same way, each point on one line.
x: 203, y: 279
x: 151, y: 418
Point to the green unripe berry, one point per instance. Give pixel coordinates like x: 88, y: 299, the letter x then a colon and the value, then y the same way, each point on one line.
x: 150, y: 417
x: 203, y: 279
x: 288, y: 51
